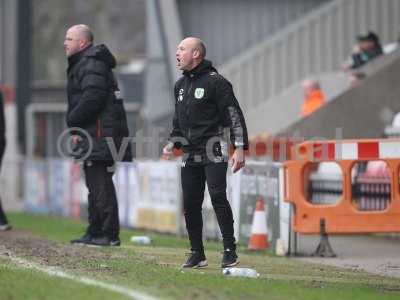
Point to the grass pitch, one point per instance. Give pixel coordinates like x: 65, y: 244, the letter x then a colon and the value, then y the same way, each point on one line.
x: 155, y: 269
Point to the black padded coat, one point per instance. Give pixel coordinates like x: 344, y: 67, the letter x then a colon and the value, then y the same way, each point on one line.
x: 93, y: 107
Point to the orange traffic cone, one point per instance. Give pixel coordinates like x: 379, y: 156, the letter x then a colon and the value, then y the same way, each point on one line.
x: 259, y: 234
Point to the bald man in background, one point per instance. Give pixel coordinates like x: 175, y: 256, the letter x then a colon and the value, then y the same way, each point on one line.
x: 95, y: 115
x: 314, y: 98
x: 205, y: 105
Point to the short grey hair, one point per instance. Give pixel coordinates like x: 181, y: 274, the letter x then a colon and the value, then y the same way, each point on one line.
x: 311, y: 83
x: 201, y: 47
x: 85, y: 32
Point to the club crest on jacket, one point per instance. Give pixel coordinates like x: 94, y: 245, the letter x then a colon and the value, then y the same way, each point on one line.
x: 199, y: 93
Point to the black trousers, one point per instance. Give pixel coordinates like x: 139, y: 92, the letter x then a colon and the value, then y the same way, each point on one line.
x: 3, y: 218
x: 103, y: 205
x: 194, y: 176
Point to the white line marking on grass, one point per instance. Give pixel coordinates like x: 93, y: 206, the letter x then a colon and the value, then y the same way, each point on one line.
x: 53, y: 271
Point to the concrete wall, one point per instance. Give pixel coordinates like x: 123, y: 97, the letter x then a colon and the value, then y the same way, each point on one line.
x: 282, y: 111
x: 8, y: 42
x: 163, y: 36
x: 360, y: 112
x: 230, y: 27
x: 316, y: 44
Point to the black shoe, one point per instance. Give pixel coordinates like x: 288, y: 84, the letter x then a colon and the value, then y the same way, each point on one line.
x: 196, y: 260
x: 229, y: 259
x: 5, y: 226
x: 82, y: 240
x: 104, y: 241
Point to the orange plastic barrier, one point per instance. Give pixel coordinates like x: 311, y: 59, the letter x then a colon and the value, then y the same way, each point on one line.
x: 342, y: 216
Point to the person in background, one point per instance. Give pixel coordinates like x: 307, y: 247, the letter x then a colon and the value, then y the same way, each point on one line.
x: 314, y: 98
x: 3, y: 219
x: 95, y: 116
x: 368, y: 47
x: 391, y: 47
x: 355, y: 78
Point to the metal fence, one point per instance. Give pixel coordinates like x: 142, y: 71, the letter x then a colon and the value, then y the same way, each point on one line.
x: 46, y: 122
x: 317, y: 43
x: 150, y: 196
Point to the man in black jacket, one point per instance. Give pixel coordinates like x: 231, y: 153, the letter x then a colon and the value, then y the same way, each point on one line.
x: 205, y: 105
x: 97, y: 118
x: 3, y: 219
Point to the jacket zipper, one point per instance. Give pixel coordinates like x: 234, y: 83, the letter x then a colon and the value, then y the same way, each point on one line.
x: 188, y: 106
x: 190, y: 86
x: 188, y: 101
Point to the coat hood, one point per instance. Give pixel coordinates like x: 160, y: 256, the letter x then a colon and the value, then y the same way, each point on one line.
x: 205, y: 66
x: 101, y: 52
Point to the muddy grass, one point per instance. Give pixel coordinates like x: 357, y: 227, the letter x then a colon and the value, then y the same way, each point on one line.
x: 156, y: 268
x: 50, y: 253
x: 86, y: 260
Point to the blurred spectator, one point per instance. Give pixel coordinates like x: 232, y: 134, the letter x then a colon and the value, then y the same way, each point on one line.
x: 355, y: 78
x: 367, y: 48
x: 377, y: 168
x: 396, y: 120
x: 3, y: 219
x: 314, y: 98
x: 393, y: 130
x: 389, y: 48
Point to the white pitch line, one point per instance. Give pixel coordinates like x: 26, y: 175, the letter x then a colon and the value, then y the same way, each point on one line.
x: 52, y: 271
